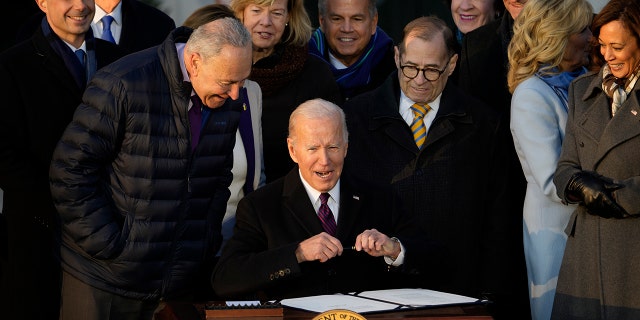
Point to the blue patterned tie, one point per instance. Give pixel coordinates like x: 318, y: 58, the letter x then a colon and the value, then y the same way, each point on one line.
x: 106, y: 29
x: 326, y: 216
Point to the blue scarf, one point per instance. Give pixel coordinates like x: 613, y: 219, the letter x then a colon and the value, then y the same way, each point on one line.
x: 560, y: 82
x: 359, y: 73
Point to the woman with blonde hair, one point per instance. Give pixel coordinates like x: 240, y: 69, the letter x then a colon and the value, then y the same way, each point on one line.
x: 287, y: 74
x: 550, y: 47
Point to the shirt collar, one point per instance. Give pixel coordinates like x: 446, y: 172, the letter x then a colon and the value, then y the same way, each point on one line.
x: 314, y: 195
x: 406, y: 103
x: 116, y: 14
x: 335, y: 62
x: 83, y: 46
x: 180, y: 50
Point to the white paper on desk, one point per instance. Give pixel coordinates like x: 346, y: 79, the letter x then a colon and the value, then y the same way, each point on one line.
x: 324, y: 303
x: 417, y: 297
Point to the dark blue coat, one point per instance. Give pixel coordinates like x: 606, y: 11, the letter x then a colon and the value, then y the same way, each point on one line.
x: 140, y: 213
x: 456, y: 185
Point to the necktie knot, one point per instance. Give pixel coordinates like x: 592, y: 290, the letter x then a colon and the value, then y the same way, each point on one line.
x: 418, y: 129
x: 420, y: 110
x: 80, y: 54
x: 324, y: 197
x: 196, y: 104
x: 106, y: 29
x: 326, y: 216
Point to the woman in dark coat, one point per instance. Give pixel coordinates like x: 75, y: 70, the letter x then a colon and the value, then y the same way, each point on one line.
x: 599, y: 170
x: 287, y: 74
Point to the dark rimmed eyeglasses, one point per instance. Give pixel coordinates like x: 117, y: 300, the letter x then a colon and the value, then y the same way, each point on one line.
x: 430, y: 73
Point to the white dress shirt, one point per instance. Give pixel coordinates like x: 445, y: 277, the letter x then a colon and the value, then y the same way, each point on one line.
x: 116, y: 25
x: 334, y: 205
x: 407, y: 114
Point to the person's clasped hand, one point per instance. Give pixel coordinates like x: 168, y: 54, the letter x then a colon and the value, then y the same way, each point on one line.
x: 377, y: 244
x: 321, y: 247
x: 596, y: 193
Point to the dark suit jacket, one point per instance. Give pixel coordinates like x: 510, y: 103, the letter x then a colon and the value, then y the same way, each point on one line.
x: 483, y: 64
x: 482, y: 73
x: 39, y: 99
x: 143, y: 26
x: 271, y: 222
x: 455, y: 186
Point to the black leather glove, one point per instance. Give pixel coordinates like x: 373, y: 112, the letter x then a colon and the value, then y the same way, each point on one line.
x: 594, y: 191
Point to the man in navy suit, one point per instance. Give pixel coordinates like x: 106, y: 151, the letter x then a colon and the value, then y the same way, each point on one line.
x: 42, y: 84
x: 280, y: 247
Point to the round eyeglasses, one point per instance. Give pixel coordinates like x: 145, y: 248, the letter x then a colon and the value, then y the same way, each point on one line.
x: 431, y: 74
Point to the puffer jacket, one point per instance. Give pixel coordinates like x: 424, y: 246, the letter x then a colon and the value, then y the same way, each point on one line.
x: 140, y: 213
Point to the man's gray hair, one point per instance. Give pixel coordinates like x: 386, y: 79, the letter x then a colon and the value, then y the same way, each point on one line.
x: 319, y: 109
x: 209, y: 38
x: 322, y: 8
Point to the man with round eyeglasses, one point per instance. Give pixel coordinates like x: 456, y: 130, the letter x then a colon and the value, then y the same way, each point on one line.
x: 445, y: 153
x: 429, y: 73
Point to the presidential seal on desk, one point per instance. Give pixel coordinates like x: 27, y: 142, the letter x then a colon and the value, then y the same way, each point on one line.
x: 339, y: 314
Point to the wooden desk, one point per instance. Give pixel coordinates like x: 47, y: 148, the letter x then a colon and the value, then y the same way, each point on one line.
x: 187, y: 311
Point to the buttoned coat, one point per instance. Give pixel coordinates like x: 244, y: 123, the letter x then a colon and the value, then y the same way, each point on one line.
x: 538, y: 119
x: 260, y: 258
x: 39, y: 98
x: 599, y: 273
x: 455, y: 185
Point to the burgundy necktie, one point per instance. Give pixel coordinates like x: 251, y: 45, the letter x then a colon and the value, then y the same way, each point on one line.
x: 195, y: 119
x: 326, y: 216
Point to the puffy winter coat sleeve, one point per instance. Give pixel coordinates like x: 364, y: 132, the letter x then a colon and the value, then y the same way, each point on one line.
x: 79, y: 169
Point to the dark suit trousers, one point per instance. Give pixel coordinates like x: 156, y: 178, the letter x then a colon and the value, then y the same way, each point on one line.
x: 81, y: 301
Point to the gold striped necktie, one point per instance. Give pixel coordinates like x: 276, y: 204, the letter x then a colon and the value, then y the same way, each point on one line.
x: 417, y: 126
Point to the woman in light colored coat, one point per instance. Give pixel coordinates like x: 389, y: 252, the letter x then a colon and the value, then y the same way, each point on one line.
x: 548, y: 50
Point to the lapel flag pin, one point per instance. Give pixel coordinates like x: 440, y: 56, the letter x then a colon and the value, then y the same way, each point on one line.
x: 634, y: 112
x: 356, y: 197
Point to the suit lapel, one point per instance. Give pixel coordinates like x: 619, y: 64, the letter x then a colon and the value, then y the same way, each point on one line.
x: 451, y: 107
x: 350, y: 207
x: 385, y: 115
x: 296, y: 201
x: 128, y: 19
x: 54, y: 64
x: 591, y: 121
x: 401, y: 135
x: 622, y: 127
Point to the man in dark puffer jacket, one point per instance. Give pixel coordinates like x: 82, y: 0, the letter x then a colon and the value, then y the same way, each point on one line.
x: 140, y: 201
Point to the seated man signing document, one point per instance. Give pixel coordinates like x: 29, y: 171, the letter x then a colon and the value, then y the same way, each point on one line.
x: 286, y: 242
